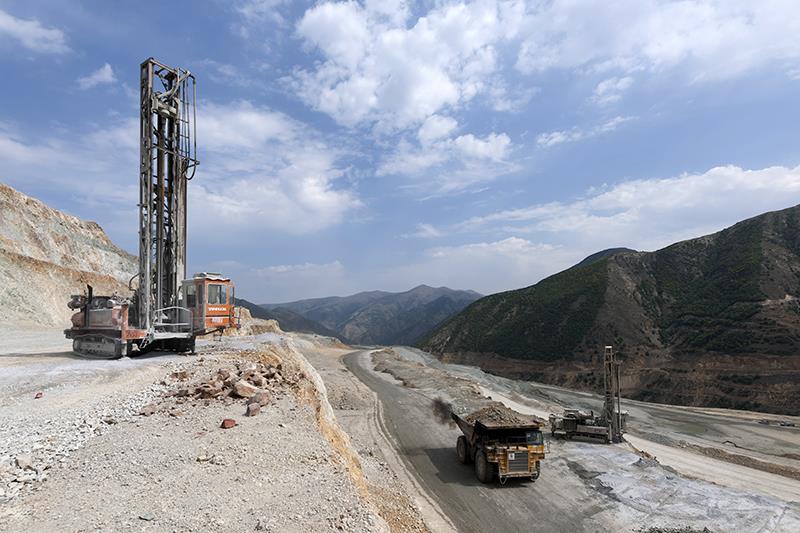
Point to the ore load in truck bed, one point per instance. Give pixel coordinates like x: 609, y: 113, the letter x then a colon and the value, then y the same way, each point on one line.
x: 497, y: 415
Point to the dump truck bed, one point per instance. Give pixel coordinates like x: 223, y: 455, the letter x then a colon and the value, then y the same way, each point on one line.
x: 495, y: 418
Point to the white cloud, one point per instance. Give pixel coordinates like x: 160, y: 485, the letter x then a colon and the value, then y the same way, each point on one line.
x: 610, y: 90
x: 425, y: 231
x: 32, y: 35
x: 376, y: 69
x: 712, y: 40
x: 256, y: 11
x: 394, y: 11
x: 650, y: 213
x: 450, y: 165
x: 553, y: 138
x: 101, y: 76
x: 242, y: 125
x: 410, y: 160
x: 274, y: 173
x: 260, y: 171
x: 504, y: 99
x: 436, y: 127
x: 494, y: 147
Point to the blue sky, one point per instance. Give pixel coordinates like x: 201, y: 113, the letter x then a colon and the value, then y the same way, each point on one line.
x: 351, y: 146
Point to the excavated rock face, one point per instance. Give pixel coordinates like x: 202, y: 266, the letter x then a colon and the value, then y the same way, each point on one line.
x: 47, y: 255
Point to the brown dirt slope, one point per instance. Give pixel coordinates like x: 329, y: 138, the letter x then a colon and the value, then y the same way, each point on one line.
x: 47, y: 255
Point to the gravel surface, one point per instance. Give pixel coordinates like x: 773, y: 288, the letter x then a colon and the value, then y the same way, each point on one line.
x: 137, y: 445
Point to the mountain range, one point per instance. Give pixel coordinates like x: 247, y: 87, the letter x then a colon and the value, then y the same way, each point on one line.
x: 379, y: 317
x: 709, y: 321
x: 288, y: 320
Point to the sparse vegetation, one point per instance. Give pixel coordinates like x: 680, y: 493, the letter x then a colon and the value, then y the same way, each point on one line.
x: 707, y: 297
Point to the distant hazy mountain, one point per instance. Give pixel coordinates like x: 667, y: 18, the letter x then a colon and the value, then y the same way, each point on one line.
x: 379, y: 317
x: 708, y: 321
x: 288, y: 320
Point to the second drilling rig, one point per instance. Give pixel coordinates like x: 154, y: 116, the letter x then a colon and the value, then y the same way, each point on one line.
x: 166, y: 310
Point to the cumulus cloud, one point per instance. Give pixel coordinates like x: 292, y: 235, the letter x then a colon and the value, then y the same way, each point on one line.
x: 272, y: 171
x: 377, y: 69
x: 459, y: 162
x: 553, y: 138
x: 713, y: 40
x: 651, y: 213
x: 260, y: 171
x: 494, y: 147
x: 103, y: 75
x: 32, y: 35
x: 379, y: 66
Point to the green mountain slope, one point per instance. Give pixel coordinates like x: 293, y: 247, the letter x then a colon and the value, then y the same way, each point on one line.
x: 711, y: 321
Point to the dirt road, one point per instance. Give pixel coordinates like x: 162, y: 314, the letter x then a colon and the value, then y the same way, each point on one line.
x: 429, y: 449
x: 583, y: 487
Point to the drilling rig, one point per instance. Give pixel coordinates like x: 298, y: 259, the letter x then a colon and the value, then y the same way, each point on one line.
x: 610, y: 424
x: 166, y: 311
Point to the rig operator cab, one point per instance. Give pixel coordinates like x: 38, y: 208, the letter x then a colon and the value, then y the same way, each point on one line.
x: 210, y: 298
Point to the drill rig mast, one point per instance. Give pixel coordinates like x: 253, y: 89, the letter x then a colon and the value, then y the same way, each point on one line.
x: 166, y: 311
x: 168, y: 155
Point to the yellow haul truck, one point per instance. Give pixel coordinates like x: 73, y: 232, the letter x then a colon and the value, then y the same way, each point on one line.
x: 500, y: 449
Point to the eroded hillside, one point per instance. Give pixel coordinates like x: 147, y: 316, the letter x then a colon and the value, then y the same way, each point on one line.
x: 47, y: 255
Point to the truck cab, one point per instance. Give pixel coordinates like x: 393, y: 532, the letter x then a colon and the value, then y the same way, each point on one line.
x: 210, y: 297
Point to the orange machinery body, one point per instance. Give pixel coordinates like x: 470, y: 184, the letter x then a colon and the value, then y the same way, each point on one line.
x: 210, y: 297
x: 103, y: 326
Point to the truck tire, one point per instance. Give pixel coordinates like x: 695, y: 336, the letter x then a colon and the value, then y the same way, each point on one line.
x: 483, y: 468
x: 462, y: 449
x: 537, y: 471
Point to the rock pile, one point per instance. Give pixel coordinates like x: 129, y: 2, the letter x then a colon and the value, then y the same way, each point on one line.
x: 255, y: 383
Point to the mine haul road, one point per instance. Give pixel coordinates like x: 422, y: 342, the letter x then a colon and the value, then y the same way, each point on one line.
x: 430, y: 449
x: 584, y: 486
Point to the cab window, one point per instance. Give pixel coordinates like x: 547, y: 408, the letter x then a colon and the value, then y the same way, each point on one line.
x: 191, y: 295
x: 216, y: 294
x: 535, y: 437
